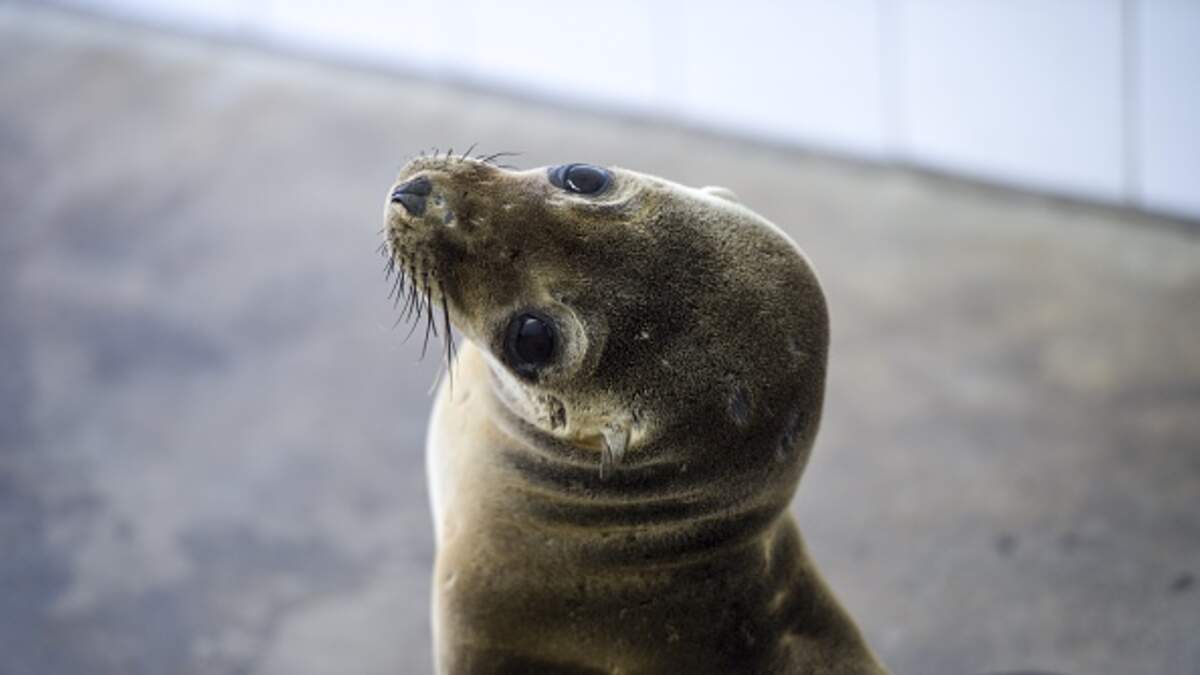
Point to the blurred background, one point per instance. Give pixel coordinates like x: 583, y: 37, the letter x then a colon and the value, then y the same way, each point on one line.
x: 211, y: 434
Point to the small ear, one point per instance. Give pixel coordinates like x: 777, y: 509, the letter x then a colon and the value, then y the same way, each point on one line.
x: 721, y: 193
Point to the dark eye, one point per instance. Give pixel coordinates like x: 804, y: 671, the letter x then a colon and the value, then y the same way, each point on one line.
x: 530, y: 343
x: 583, y: 179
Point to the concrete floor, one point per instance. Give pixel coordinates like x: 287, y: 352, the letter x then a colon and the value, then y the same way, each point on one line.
x: 210, y: 434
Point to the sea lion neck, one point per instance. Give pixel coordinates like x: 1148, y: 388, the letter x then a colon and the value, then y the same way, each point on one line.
x: 661, y: 506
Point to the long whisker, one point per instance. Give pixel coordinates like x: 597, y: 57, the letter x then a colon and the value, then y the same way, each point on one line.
x: 392, y: 291
x: 411, y: 329
x: 397, y: 290
x: 428, y: 326
x: 497, y: 155
x: 413, y: 304
x: 414, y: 322
x: 429, y: 312
x: 413, y: 298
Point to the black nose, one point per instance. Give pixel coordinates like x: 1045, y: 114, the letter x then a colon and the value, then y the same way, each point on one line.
x: 411, y: 195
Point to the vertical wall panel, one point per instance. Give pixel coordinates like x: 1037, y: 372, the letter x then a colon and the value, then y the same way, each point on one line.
x: 1168, y: 105
x: 1023, y: 91
x: 799, y: 71
x: 412, y: 34
x: 601, y: 55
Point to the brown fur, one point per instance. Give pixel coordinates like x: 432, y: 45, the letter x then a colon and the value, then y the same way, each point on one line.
x: 692, y: 327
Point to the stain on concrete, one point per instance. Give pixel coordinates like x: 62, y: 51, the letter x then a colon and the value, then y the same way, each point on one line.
x: 122, y: 343
x: 1006, y: 543
x: 1182, y: 583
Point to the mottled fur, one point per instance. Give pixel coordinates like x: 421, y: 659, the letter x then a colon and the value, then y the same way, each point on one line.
x: 693, y: 369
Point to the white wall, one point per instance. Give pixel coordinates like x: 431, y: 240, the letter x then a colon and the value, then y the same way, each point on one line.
x: 806, y: 72
x: 1166, y: 86
x: 1021, y: 91
x: 1097, y: 99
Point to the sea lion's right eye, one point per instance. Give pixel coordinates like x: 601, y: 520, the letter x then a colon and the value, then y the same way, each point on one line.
x: 584, y: 179
x: 530, y: 343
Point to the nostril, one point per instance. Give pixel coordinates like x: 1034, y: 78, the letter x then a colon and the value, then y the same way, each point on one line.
x: 413, y: 203
x: 417, y: 186
x: 411, y: 195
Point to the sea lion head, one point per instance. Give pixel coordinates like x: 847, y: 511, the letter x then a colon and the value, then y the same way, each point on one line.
x: 618, y: 309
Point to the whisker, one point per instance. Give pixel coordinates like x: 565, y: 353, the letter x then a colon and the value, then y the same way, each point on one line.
x: 418, y: 306
x: 410, y: 302
x: 419, y: 300
x: 412, y: 329
x: 397, y: 290
x: 412, y: 298
x: 497, y: 155
x: 428, y: 326
x: 468, y: 152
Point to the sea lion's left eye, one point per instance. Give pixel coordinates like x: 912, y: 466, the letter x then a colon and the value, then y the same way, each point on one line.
x: 530, y: 343
x: 583, y: 179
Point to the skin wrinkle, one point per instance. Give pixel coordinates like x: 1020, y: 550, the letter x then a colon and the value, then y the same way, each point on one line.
x: 684, y: 322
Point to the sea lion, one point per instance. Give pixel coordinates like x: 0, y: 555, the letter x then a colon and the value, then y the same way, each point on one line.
x: 613, y: 453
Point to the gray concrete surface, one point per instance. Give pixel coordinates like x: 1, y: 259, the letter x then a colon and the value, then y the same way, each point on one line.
x: 210, y: 433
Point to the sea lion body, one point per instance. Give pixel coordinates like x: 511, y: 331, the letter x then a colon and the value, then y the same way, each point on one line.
x: 613, y: 498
